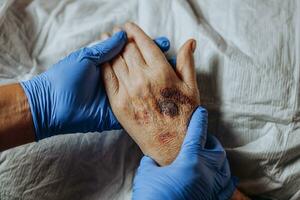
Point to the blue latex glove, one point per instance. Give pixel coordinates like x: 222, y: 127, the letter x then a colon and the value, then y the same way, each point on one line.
x: 70, y: 96
x: 200, y: 171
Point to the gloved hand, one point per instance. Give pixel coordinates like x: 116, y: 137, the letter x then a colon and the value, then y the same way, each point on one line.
x: 70, y: 96
x: 200, y: 171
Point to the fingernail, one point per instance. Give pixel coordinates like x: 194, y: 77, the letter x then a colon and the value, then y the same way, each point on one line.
x: 193, y: 46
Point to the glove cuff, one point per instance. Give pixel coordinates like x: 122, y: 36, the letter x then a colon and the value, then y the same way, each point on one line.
x: 36, y: 99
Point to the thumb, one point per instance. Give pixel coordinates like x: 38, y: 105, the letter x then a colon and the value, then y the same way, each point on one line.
x: 147, y: 162
x: 185, y: 67
x: 106, y: 50
x: 197, y: 130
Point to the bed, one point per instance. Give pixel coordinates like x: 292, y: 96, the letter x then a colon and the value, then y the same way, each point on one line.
x: 248, y: 68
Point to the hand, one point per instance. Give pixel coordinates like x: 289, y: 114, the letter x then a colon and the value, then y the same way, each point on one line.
x: 70, y: 96
x: 151, y: 100
x: 201, y: 170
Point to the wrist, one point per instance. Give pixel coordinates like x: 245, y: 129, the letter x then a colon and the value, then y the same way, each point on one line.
x: 16, y: 127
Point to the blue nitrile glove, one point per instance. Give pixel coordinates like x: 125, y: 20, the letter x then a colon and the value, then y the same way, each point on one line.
x: 70, y: 96
x: 200, y: 171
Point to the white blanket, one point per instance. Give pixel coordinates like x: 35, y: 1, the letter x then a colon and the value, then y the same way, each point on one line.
x: 248, y: 67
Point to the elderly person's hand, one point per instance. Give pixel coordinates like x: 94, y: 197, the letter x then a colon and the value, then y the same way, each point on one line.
x: 150, y: 99
x: 200, y: 171
x: 70, y: 97
x: 154, y: 103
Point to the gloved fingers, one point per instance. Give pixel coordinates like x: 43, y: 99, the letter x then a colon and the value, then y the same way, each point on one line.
x: 106, y: 50
x: 109, y: 77
x: 104, y: 36
x: 224, y: 172
x: 214, y: 153
x: 163, y: 43
x: 227, y: 190
x: 197, y: 129
x: 195, y: 138
x: 172, y: 62
x: 147, y: 162
x: 213, y: 144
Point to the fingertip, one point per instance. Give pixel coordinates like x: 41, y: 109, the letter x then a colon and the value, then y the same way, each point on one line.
x: 202, y: 111
x: 120, y: 35
x: 188, y: 48
x: 147, y: 161
x: 193, y: 45
x: 199, y: 116
x: 108, y: 49
x: 163, y: 43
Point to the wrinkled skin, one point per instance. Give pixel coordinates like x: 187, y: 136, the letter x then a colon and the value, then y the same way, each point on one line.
x: 152, y: 101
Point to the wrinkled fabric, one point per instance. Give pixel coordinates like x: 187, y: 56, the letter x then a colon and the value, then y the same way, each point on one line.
x: 248, y: 70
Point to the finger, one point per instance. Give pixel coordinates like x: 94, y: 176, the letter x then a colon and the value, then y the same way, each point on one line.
x: 228, y: 182
x: 120, y: 68
x: 106, y: 50
x: 163, y: 43
x: 185, y: 67
x: 133, y: 58
x: 151, y: 53
x: 110, y: 80
x: 215, y: 156
x: 197, y: 129
x: 147, y: 162
x: 118, y: 64
x: 228, y: 189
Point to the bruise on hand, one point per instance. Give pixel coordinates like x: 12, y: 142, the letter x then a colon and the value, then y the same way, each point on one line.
x: 170, y: 100
x: 168, y: 107
x: 170, y: 104
x: 160, y: 113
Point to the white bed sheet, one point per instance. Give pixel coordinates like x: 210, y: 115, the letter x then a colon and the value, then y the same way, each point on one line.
x: 248, y: 73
